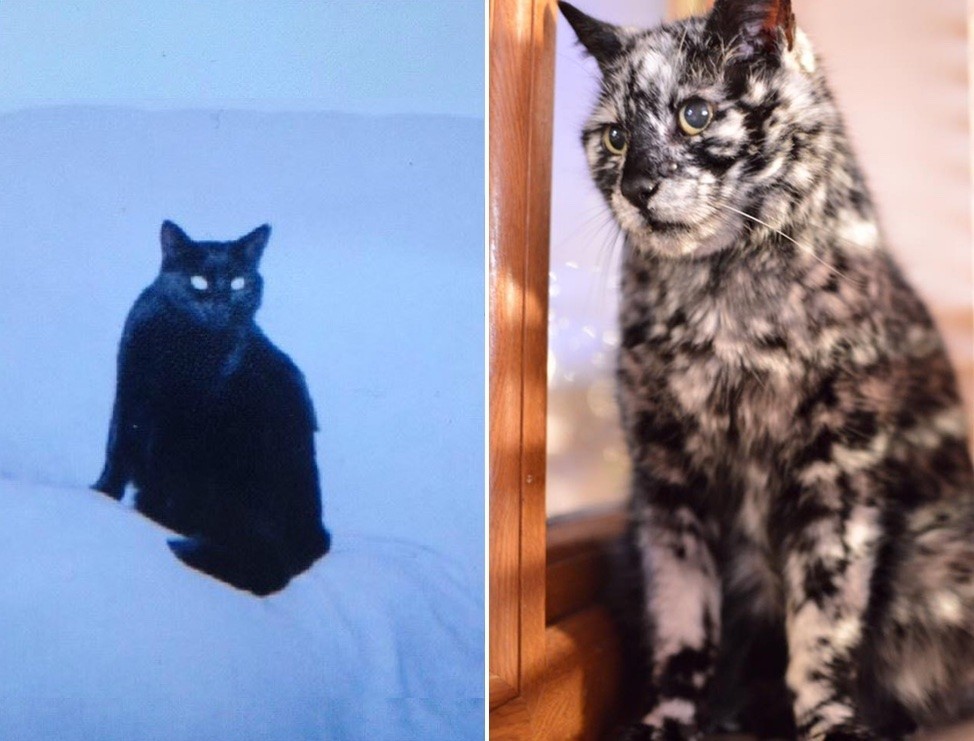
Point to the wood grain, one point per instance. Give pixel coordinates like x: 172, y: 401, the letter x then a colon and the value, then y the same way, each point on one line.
x: 574, y: 583
x: 581, y: 686
x: 521, y: 89
x: 578, y: 561
x: 570, y: 533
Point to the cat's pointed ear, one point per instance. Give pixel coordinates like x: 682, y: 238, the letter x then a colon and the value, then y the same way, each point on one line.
x: 754, y: 27
x: 173, y: 240
x: 602, y: 40
x: 254, y: 243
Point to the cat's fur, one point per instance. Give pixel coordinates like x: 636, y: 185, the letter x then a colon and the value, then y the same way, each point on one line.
x: 212, y: 423
x: 803, y: 497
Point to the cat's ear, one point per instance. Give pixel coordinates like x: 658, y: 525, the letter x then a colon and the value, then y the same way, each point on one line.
x: 173, y: 239
x: 602, y: 40
x: 254, y: 243
x: 753, y: 27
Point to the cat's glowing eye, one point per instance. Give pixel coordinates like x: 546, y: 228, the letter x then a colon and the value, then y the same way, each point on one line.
x: 199, y: 282
x: 237, y: 283
x: 695, y: 115
x: 614, y: 139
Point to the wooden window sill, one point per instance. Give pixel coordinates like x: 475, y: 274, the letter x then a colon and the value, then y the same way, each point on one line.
x: 578, y: 690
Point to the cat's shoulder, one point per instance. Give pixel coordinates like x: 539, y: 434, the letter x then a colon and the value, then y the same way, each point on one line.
x: 277, y: 371
x: 148, y: 309
x: 271, y: 359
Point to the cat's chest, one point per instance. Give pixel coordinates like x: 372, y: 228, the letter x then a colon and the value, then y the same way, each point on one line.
x: 725, y: 360
x: 737, y: 412
x: 177, y: 365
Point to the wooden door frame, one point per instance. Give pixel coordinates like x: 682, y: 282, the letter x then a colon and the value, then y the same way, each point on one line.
x: 553, y: 659
x: 521, y: 95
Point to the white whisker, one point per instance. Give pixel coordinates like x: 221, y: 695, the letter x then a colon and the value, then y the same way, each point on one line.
x: 606, y: 257
x: 807, y: 250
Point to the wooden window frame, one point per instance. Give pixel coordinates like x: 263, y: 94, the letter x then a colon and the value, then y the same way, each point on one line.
x: 554, y: 657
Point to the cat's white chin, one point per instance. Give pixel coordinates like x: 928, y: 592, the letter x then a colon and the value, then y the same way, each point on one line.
x: 706, y: 231
x: 690, y: 241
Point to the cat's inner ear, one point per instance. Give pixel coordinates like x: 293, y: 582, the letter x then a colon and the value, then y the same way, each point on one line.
x: 601, y: 40
x: 173, y: 239
x: 754, y: 26
x: 252, y: 245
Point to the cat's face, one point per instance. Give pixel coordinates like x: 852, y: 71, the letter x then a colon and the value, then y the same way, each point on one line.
x: 215, y: 284
x: 701, y: 120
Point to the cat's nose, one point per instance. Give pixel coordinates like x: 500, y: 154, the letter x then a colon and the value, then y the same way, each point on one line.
x: 639, y: 189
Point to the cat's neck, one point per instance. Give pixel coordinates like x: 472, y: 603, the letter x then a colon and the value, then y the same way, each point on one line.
x: 819, y: 263
x: 808, y: 237
x: 826, y: 212
x: 215, y: 350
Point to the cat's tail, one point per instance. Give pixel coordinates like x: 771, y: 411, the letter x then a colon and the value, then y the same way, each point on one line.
x: 249, y: 568
x: 256, y: 567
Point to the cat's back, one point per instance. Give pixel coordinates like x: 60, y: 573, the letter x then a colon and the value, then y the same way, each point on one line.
x: 269, y: 379
x: 146, y: 315
x: 152, y: 338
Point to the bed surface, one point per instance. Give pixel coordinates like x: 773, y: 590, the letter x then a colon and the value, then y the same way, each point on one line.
x: 106, y: 635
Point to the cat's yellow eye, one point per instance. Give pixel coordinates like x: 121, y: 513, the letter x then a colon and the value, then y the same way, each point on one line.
x: 695, y: 115
x: 614, y: 139
x: 237, y: 283
x: 199, y: 282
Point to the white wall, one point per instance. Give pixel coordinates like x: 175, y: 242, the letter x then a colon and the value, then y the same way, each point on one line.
x: 346, y: 55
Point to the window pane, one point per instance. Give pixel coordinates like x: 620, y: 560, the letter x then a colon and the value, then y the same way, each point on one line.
x: 587, y: 463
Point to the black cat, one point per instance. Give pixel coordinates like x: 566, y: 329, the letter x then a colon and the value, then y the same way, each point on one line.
x: 212, y: 423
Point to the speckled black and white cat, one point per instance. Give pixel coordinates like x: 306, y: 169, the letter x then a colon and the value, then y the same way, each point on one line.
x: 803, y: 497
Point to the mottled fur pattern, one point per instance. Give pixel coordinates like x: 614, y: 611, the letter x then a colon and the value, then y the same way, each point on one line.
x: 803, y: 497
x: 212, y: 423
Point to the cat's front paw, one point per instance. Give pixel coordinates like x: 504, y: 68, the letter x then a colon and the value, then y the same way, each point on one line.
x: 670, y: 730
x: 109, y: 486
x: 234, y: 569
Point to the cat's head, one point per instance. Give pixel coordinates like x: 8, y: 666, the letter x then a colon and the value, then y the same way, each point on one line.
x: 216, y: 284
x: 703, y: 119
